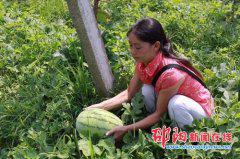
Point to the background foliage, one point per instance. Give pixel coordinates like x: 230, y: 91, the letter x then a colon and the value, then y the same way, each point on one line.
x: 45, y: 83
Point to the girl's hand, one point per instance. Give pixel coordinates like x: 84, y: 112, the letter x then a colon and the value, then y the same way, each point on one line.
x: 118, y: 132
x: 94, y: 106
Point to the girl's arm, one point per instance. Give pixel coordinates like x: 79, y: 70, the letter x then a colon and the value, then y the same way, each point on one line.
x: 125, y: 96
x: 161, y: 107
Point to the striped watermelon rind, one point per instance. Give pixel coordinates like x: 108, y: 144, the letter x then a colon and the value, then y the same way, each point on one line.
x: 96, y: 121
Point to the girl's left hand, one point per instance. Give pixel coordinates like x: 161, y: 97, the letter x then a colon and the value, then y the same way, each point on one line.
x: 118, y: 132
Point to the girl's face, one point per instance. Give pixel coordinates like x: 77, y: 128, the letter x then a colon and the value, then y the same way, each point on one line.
x: 142, y: 51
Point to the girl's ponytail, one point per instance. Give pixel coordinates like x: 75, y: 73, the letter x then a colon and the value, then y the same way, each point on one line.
x: 150, y: 30
x: 167, y: 50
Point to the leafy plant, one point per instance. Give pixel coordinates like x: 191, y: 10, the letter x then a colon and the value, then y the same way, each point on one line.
x: 45, y: 82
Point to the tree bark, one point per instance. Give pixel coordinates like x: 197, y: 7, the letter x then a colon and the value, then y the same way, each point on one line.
x: 95, y: 7
x: 92, y: 44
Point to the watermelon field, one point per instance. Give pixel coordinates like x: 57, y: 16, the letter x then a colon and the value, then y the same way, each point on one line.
x: 45, y: 81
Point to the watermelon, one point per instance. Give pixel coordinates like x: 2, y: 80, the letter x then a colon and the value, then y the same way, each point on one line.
x: 96, y: 121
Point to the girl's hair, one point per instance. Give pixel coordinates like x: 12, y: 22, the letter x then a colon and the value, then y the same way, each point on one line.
x: 150, y: 30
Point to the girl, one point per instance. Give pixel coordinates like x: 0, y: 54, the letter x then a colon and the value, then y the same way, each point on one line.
x: 176, y: 91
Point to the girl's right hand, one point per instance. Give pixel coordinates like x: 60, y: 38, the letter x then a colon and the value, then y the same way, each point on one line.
x: 95, y: 106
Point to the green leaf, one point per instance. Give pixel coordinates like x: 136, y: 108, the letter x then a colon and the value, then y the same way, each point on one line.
x: 84, y: 147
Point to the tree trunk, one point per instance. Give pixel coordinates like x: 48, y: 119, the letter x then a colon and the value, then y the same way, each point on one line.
x: 92, y: 44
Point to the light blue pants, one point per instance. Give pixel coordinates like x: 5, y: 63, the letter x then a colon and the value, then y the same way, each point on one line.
x: 181, y: 109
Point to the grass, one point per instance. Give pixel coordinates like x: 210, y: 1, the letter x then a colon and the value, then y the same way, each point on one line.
x: 45, y: 82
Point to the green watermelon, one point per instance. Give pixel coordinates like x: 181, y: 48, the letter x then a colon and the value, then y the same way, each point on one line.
x: 96, y: 121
